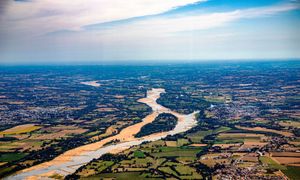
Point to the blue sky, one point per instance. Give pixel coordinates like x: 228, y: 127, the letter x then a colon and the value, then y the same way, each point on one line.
x: 95, y: 31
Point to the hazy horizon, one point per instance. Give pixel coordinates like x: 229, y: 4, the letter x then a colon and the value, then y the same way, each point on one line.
x: 67, y: 32
x: 146, y: 62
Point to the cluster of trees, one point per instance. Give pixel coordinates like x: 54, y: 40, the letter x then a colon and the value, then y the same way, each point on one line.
x: 182, y: 102
x: 163, y: 122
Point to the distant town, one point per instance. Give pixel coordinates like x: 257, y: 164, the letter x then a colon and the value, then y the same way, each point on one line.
x: 247, y: 114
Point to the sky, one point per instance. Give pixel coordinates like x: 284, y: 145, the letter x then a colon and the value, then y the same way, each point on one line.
x: 95, y: 31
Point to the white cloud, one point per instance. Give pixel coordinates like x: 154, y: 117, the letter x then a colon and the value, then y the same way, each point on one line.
x: 153, y: 37
x: 38, y: 17
x: 27, y: 19
x: 167, y: 25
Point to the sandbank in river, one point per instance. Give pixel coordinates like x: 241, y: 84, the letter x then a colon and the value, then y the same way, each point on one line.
x: 68, y: 162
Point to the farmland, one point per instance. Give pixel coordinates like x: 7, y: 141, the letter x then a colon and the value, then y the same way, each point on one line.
x: 21, y: 129
x: 247, y: 119
x: 163, y: 160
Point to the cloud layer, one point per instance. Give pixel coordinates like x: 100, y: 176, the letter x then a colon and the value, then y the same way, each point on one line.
x: 144, y: 29
x: 38, y: 17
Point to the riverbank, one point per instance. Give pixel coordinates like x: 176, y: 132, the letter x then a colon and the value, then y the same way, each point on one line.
x: 71, y: 160
x: 91, y: 83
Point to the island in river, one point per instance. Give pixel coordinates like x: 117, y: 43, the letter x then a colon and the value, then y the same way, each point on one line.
x: 71, y: 160
x: 247, y: 125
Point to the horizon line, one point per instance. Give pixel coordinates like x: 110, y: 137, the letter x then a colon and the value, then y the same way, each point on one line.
x: 146, y: 62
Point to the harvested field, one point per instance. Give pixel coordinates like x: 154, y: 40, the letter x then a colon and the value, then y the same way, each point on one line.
x: 16, y: 102
x: 198, y: 145
x: 213, y: 162
x: 239, y: 135
x: 20, y: 136
x: 107, y: 109
x: 119, y: 97
x: 290, y: 123
x: 285, y: 154
x: 287, y: 160
x: 20, y: 145
x: 21, y: 129
x: 238, y: 138
x: 57, y: 132
x: 296, y: 143
x: 250, y: 144
x: 283, y: 133
x: 225, y: 146
x: 256, y: 144
x: 171, y: 143
x: 214, y: 158
x: 246, y: 164
x: 260, y: 121
x: 250, y: 158
x: 239, y: 154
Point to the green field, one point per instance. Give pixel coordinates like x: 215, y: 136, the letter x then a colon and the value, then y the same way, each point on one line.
x: 180, y: 171
x: 119, y: 176
x: 9, y: 157
x: 177, y: 151
x: 100, y: 166
x: 271, y: 163
x: 140, y: 107
x: 216, y: 99
x: 141, y: 162
x: 229, y: 141
x: 6, y: 170
x: 292, y: 172
x: 139, y: 154
x: 186, y: 172
x: 182, y: 142
x: 198, y: 136
x: 21, y: 129
x: 168, y: 170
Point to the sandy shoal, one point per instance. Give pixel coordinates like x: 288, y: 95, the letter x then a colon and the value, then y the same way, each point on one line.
x: 127, y: 134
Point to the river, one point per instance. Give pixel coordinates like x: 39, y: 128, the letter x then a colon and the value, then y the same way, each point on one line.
x: 68, y: 162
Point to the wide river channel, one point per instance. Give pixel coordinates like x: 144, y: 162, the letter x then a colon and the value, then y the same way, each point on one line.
x: 68, y: 162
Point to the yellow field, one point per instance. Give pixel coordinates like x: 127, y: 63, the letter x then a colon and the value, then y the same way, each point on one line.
x: 211, y: 160
x: 171, y: 143
x: 239, y: 135
x: 287, y: 160
x: 225, y: 146
x: 2, y: 163
x: 286, y: 154
x: 27, y: 142
x: 16, y: 102
x: 290, y: 123
x: 57, y: 132
x: 246, y: 164
x: 284, y: 133
x: 250, y: 158
x: 21, y: 129
x: 198, y: 145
